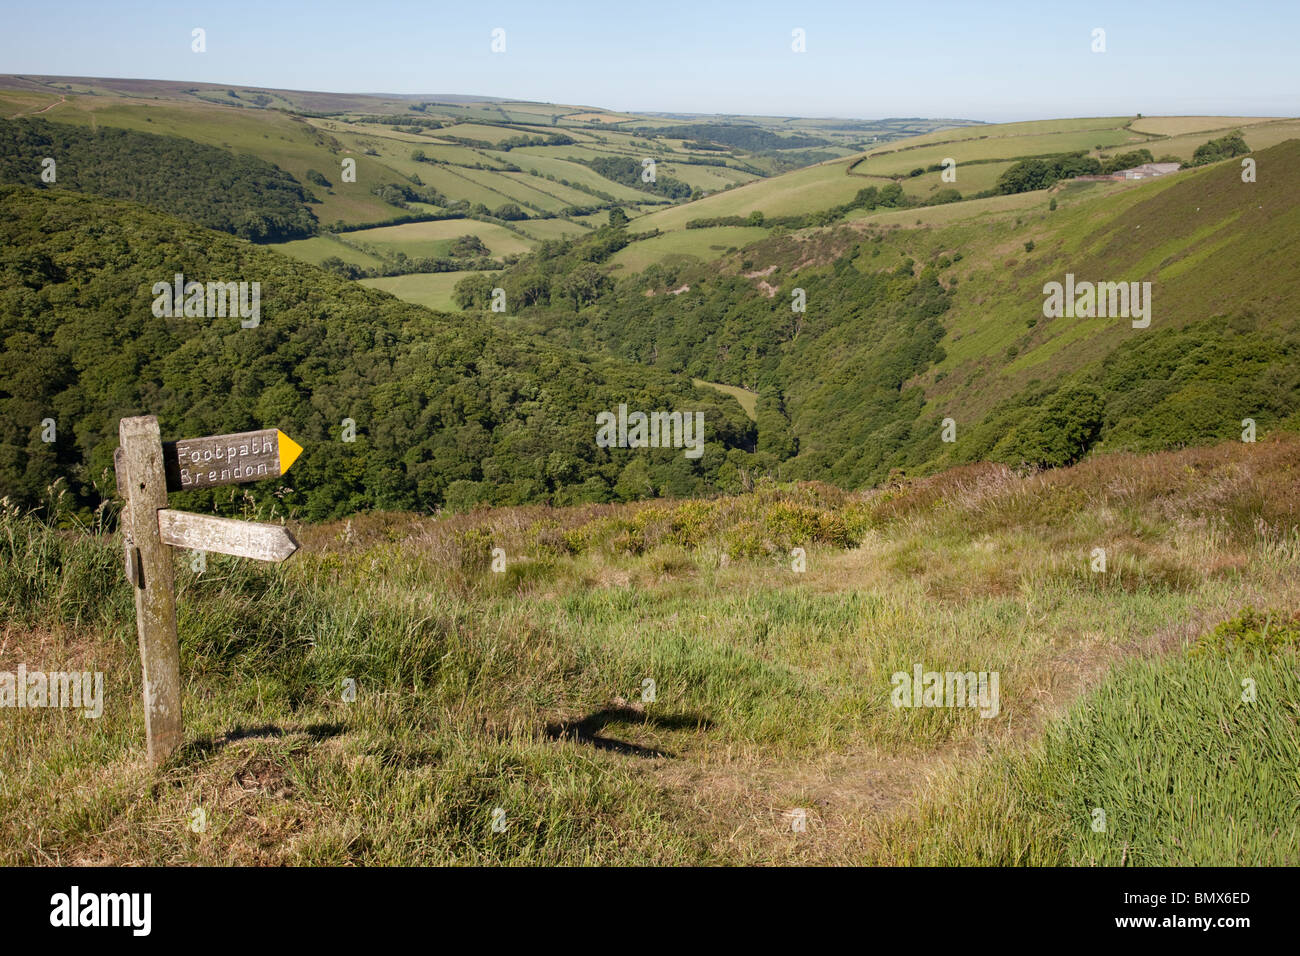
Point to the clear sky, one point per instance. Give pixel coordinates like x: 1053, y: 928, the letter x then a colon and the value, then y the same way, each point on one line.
x: 995, y: 60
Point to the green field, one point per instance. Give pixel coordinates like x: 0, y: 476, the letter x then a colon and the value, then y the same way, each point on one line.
x: 1178, y: 125
x: 905, y: 159
x: 318, y: 248
x: 707, y: 178
x: 971, y: 178
x: 431, y: 238
x: 551, y: 228
x: 574, y: 173
x: 431, y: 290
x: 748, y: 400
x: 291, y: 144
x: 701, y: 244
x: 804, y: 190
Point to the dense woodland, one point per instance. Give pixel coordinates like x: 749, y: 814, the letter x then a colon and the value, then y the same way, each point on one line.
x: 231, y: 192
x: 449, y: 411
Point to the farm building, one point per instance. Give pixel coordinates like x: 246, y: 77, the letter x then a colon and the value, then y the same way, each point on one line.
x: 1148, y: 171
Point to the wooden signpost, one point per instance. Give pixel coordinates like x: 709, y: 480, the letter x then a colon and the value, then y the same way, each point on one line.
x: 147, y: 469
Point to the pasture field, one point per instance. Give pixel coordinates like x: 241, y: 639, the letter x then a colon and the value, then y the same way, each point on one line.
x: 903, y: 161
x: 774, y: 690
x: 551, y: 228
x: 702, y: 244
x: 1179, y: 125
x: 803, y: 190
x: 518, y: 189
x: 431, y: 238
x: 318, y: 248
x: 597, y: 219
x: 1257, y: 136
x: 578, y: 154
x: 708, y: 178
x: 489, y: 134
x: 14, y: 104
x: 537, y: 186
x: 1029, y: 128
x: 748, y: 400
x: 433, y: 290
x: 971, y: 178
x: 573, y: 172
x: 456, y: 182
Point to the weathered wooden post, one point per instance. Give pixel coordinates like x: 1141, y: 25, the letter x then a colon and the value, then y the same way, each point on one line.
x: 143, y: 483
x: 147, y: 470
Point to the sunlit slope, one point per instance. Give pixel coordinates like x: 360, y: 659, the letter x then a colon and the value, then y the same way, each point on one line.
x: 280, y: 138
x: 803, y: 190
x: 909, y: 324
x: 981, y: 154
x: 1215, y: 249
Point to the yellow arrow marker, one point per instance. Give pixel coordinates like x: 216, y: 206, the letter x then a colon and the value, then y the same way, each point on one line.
x: 289, y: 450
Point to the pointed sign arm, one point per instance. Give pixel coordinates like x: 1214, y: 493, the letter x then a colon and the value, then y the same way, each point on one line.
x: 244, y: 539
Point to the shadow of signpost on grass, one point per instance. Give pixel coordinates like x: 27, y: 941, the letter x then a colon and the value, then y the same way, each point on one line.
x: 209, y: 745
x: 587, y: 730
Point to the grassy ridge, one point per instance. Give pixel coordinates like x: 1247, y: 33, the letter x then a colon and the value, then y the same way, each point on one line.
x: 243, y: 195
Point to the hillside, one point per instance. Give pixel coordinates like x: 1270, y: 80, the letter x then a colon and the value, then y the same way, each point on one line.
x: 907, y: 325
x: 981, y: 154
x: 242, y: 195
x: 448, y: 411
x: 359, y: 173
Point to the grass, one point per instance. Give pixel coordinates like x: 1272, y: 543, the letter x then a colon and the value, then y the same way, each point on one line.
x: 800, y: 191
x: 906, y: 158
x: 293, y: 145
x: 1187, y: 761
x: 521, y: 689
x: 1178, y: 125
x: 432, y: 238
x: 971, y: 178
x: 701, y: 244
x: 432, y: 290
x: 748, y: 400
x: 318, y: 248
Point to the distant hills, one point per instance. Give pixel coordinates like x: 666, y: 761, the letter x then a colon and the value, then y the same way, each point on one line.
x: 877, y: 303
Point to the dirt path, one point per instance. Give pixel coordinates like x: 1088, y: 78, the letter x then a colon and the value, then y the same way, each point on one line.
x: 62, y: 100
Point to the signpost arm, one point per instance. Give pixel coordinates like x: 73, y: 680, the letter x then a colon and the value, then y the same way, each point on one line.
x: 144, y: 482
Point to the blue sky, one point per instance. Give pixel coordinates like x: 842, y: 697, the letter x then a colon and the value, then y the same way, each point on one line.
x: 940, y: 58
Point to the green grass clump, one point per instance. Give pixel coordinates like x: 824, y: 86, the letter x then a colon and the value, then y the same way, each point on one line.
x: 1251, y: 631
x: 1191, y: 760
